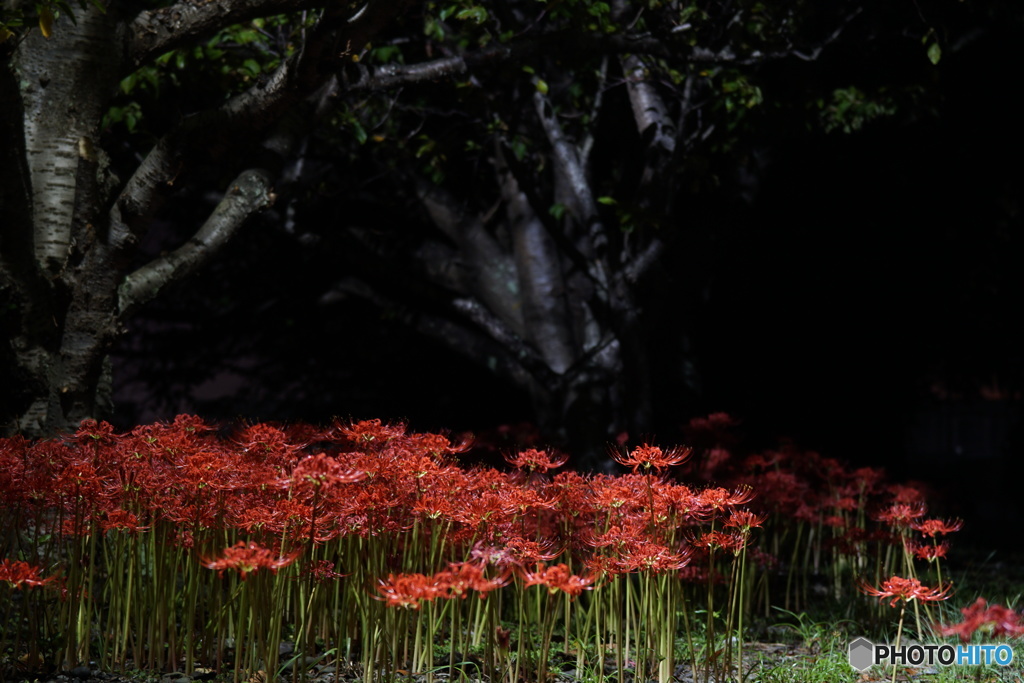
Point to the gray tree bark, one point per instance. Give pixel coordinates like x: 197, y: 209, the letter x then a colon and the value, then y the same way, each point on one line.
x: 70, y: 231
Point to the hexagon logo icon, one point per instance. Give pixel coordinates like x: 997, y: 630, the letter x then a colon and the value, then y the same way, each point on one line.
x: 862, y: 654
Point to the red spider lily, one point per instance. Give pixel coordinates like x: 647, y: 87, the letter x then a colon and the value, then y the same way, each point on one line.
x: 322, y: 571
x: 744, y: 520
x: 408, y: 590
x: 434, y: 445
x: 834, y: 521
x: 901, y: 514
x: 711, y: 430
x: 369, y: 433
x: 469, y: 576
x: 19, y: 573
x: 845, y: 503
x: 639, y: 555
x: 903, y: 493
x: 928, y: 551
x: 521, y: 551
x: 434, y: 504
x: 899, y: 588
x: 716, y: 539
x: 122, y: 520
x: 936, y: 527
x: 558, y: 578
x: 648, y: 457
x: 534, y: 460
x: 266, y: 440
x: 718, y: 499
x: 681, y: 501
x: 867, y: 478
x: 248, y: 558
x: 320, y: 469
x: 994, y: 621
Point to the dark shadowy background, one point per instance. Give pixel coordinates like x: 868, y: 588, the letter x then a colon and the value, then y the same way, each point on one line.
x: 859, y: 293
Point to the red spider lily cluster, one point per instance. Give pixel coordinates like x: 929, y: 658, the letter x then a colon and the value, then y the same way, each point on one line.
x: 367, y: 508
x: 995, y: 621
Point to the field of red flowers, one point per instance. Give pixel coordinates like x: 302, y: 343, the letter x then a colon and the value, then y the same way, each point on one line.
x: 184, y: 545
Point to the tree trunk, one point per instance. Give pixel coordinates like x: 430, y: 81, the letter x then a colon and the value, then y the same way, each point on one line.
x: 59, y: 253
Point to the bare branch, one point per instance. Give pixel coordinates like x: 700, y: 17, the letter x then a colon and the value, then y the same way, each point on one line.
x: 588, y: 142
x: 361, y: 78
x: 522, y: 351
x: 541, y: 284
x: 642, y: 262
x: 154, y: 32
x: 250, y: 193
x: 652, y: 120
x: 572, y: 179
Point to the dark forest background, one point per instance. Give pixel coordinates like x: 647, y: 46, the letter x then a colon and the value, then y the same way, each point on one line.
x: 855, y: 287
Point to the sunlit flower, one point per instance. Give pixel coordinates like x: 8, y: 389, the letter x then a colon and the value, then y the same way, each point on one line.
x: 901, y: 514
x: 744, y: 520
x: 936, y: 527
x: 250, y: 557
x: 928, y: 551
x: 371, y: 432
x: 558, y: 578
x: 716, y: 539
x: 718, y: 499
x: 535, y: 460
x: 899, y: 588
x: 408, y: 590
x: 648, y: 457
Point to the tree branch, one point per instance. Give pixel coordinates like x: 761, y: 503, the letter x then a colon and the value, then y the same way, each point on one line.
x: 519, y: 349
x: 541, y: 285
x: 572, y: 178
x: 256, y: 108
x: 652, y: 120
x: 360, y: 78
x: 154, y: 32
x: 250, y: 193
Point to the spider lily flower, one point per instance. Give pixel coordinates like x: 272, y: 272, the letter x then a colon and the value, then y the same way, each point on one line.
x: 19, y: 573
x: 993, y: 620
x: 648, y: 457
x: 248, y: 558
x: 906, y: 590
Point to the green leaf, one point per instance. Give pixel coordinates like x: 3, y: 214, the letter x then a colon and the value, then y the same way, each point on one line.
x: 46, y: 21
x: 606, y: 200
x: 518, y: 148
x: 934, y: 53
x: 542, y: 86
x: 359, y: 132
x: 557, y: 210
x: 477, y: 14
